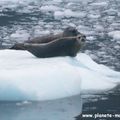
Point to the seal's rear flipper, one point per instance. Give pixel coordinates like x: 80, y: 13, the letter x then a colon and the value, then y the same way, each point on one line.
x: 19, y: 46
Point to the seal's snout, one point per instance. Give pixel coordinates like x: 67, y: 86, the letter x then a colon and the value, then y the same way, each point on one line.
x: 81, y: 38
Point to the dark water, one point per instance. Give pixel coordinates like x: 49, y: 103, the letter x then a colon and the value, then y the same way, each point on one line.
x: 20, y: 20
x: 104, y: 103
x: 62, y: 109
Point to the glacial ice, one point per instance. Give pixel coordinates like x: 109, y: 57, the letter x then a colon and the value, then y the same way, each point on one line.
x: 25, y: 77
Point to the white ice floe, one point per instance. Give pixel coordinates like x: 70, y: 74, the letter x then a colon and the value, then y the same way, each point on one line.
x: 86, y: 30
x: 58, y: 15
x: 115, y: 34
x: 25, y: 77
x: 91, y: 38
x: 47, y: 8
x: 67, y: 13
x: 70, y: 4
x: 99, y: 27
x: 99, y: 4
x: 93, y: 16
x: 111, y: 12
x: 14, y: 3
x: 20, y: 35
x: 57, y: 1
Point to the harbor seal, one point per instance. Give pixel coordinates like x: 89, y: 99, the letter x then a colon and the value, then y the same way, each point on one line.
x: 67, y: 43
x: 66, y: 46
x: 68, y: 32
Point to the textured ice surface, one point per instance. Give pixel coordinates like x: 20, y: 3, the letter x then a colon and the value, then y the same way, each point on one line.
x: 23, y: 76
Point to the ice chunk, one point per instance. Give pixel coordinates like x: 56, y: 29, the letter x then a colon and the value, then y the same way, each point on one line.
x: 59, y: 15
x: 68, y: 14
x: 49, y: 8
x: 99, y: 4
x: 115, y: 34
x: 20, y: 35
x: 25, y: 77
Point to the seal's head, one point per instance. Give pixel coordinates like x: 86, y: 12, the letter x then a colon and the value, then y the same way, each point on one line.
x: 70, y: 31
x: 81, y: 38
x: 73, y: 32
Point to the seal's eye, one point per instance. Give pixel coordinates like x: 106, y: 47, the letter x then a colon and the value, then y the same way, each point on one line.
x: 79, y: 37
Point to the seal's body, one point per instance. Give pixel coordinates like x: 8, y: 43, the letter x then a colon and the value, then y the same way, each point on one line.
x: 67, y: 43
x: 67, y: 46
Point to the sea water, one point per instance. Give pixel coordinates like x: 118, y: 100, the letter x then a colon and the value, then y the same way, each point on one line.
x: 98, y: 19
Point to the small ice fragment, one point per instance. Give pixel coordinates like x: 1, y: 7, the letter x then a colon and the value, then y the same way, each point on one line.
x: 115, y: 34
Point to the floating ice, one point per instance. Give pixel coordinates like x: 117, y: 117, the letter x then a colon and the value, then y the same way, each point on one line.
x: 68, y: 14
x: 91, y: 38
x: 58, y: 15
x: 99, y: 27
x: 99, y: 4
x: 49, y: 8
x: 93, y: 16
x: 70, y: 4
x: 115, y: 34
x: 57, y: 1
x: 25, y: 77
x: 13, y: 2
x: 20, y: 35
x: 111, y: 12
x: 36, y: 79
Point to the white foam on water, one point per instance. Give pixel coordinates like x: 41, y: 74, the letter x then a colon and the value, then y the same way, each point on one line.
x: 25, y: 77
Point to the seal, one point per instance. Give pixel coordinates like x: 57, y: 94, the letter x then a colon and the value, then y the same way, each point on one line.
x: 68, y: 32
x: 67, y: 43
x: 66, y: 46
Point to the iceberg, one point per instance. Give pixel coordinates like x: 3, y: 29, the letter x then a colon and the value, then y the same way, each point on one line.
x: 25, y: 77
